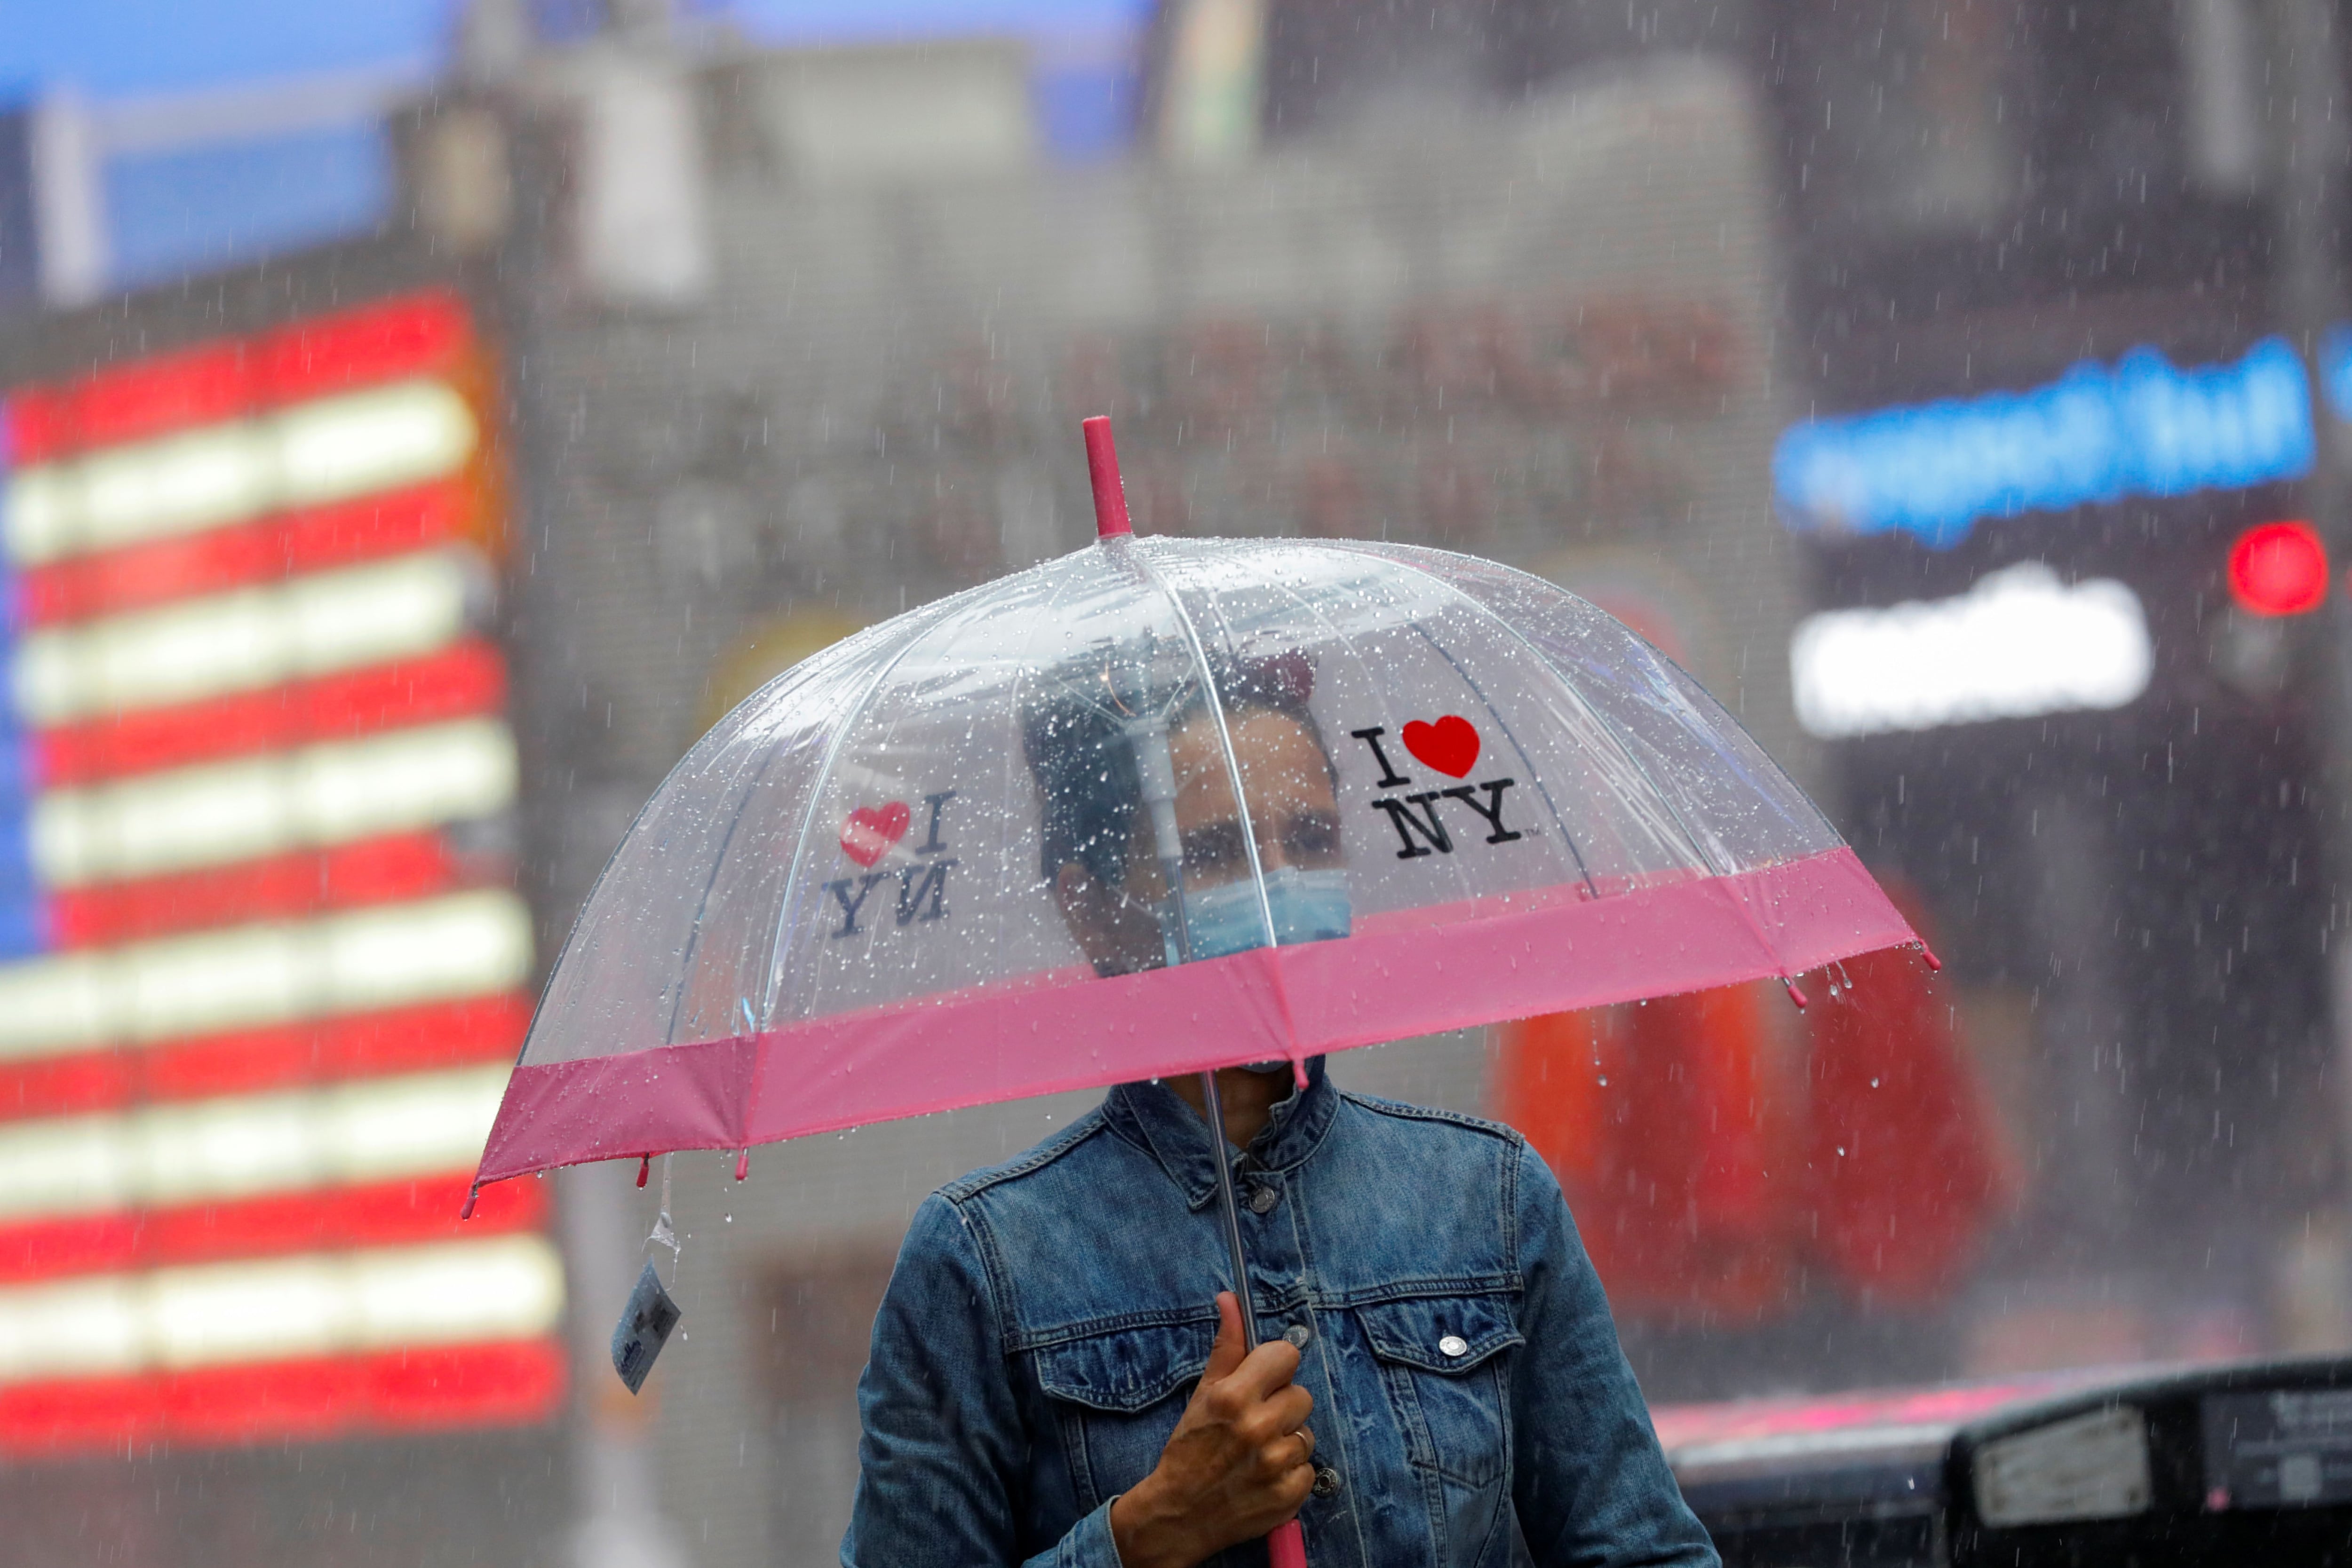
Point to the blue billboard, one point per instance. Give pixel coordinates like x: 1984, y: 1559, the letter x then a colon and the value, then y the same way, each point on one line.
x: 2142, y: 426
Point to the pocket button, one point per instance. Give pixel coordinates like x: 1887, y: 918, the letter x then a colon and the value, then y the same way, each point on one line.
x: 1453, y: 1344
x: 1326, y: 1481
x: 1298, y: 1334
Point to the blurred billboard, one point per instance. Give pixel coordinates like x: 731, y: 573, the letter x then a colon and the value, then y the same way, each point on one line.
x: 265, y: 966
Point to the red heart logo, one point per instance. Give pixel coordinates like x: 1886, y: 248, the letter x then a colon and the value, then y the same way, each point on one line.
x: 1450, y: 745
x: 870, y: 832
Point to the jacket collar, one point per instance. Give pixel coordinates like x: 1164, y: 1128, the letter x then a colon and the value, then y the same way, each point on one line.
x: 1151, y: 1117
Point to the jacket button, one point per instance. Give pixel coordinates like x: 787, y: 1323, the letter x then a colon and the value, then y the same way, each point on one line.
x: 1453, y: 1344
x: 1263, y: 1199
x: 1326, y: 1481
x: 1298, y: 1334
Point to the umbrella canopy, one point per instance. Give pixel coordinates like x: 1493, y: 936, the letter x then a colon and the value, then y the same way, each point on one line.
x: 1366, y: 790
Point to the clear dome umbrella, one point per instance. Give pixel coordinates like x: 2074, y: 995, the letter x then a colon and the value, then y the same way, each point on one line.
x: 1159, y: 807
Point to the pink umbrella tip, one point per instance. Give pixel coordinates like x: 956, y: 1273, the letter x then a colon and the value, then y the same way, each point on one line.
x: 1102, y: 468
x: 1796, y: 993
x: 472, y: 1193
x: 645, y: 1168
x: 743, y: 1164
x: 1927, y: 954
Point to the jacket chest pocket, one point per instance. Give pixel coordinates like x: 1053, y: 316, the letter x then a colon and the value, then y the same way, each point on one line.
x: 1441, y: 1360
x: 1116, y: 1398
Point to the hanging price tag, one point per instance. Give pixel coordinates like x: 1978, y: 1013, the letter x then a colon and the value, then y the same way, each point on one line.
x: 645, y: 1327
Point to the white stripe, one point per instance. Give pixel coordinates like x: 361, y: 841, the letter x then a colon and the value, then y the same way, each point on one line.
x: 505, y: 1287
x: 330, y: 449
x: 77, y: 1329
x: 382, y: 1129
x: 244, y: 640
x: 468, y: 944
x: 255, y: 806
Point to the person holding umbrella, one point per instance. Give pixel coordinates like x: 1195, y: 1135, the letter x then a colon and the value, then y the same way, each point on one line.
x: 1054, y: 1376
x: 851, y: 902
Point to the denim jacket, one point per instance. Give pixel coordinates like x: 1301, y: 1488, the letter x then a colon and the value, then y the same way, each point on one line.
x: 1048, y: 1318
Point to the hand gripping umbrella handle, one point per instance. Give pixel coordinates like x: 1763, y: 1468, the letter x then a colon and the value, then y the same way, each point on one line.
x: 1287, y: 1547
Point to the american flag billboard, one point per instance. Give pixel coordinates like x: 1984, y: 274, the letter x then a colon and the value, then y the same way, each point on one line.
x: 261, y: 964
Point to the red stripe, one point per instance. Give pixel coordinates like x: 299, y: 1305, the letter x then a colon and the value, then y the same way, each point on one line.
x: 296, y: 1399
x: 511, y: 1384
x: 87, y: 1244
x: 460, y: 681
x: 171, y: 391
x: 514, y: 1383
x: 382, y: 1214
x: 309, y: 882
x: 39, y: 424
x: 412, y: 1040
x: 416, y: 334
x: 326, y: 1050
x: 140, y: 575
x: 95, y: 1080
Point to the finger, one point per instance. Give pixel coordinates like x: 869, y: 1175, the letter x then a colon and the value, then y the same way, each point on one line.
x: 1287, y: 1453
x: 1287, y: 1411
x: 1273, y: 1421
x: 1268, y: 1368
x: 1226, y: 1353
x: 1278, y: 1458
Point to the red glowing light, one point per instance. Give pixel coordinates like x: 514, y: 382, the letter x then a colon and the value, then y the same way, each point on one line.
x: 2279, y: 569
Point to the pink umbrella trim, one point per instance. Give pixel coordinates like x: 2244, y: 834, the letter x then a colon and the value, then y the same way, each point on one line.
x: 1417, y: 975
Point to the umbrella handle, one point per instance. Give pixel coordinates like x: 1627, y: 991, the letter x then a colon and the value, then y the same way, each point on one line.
x: 1285, y: 1547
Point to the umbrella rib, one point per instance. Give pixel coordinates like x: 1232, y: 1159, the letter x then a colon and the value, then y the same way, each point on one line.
x: 1340, y: 639
x: 1216, y: 707
x: 1021, y: 679
x: 1245, y: 1298
x: 1690, y: 837
x: 944, y: 611
x: 702, y: 904
x: 791, y: 680
x: 1534, y: 774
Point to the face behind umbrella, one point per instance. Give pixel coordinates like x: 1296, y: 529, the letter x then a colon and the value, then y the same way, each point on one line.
x: 922, y: 870
x: 1292, y: 824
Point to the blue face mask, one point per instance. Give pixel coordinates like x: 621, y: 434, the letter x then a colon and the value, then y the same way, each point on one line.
x: 1308, y: 906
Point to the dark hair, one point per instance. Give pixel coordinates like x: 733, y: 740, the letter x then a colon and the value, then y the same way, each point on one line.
x: 1075, y: 745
